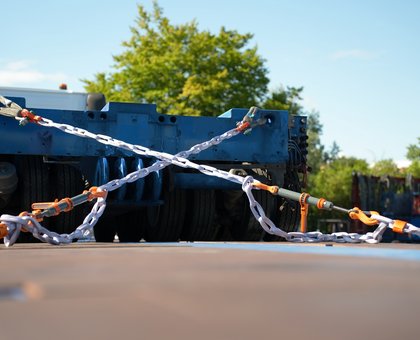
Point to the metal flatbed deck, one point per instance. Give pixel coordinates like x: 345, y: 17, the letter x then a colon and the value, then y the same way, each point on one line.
x: 210, y: 291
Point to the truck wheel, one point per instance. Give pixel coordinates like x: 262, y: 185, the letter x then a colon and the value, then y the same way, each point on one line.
x: 233, y: 213
x: 33, y: 187
x: 251, y: 230
x: 131, y: 226
x: 255, y: 231
x: 199, y: 220
x: 66, y: 181
x: 105, y: 229
x: 287, y: 215
x: 164, y: 222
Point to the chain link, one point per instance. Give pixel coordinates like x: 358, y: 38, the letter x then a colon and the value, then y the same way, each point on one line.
x: 314, y: 236
x: 85, y: 230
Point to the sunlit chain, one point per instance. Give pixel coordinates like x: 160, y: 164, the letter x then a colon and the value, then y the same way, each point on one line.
x: 312, y: 237
x: 178, y: 160
x: 85, y: 230
x: 408, y: 229
x: 15, y: 224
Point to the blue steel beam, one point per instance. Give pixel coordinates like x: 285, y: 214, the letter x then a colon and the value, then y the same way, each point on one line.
x: 141, y: 124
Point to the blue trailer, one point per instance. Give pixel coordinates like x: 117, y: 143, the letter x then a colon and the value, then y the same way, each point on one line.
x: 39, y: 164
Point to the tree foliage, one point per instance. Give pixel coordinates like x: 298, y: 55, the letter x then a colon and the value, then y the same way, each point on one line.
x: 184, y: 70
x: 333, y: 181
x: 285, y: 99
x: 413, y: 151
x: 385, y: 167
x: 413, y: 154
x: 414, y: 168
x: 316, y: 149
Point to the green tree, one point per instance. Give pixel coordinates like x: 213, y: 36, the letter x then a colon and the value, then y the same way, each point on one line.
x: 316, y: 149
x: 413, y: 151
x: 285, y: 99
x: 334, y: 179
x: 385, y: 167
x: 332, y: 154
x: 413, y: 154
x: 414, y: 168
x: 184, y: 70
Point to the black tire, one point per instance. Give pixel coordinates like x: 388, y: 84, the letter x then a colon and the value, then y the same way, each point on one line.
x: 233, y: 214
x: 105, y: 229
x: 66, y: 181
x: 252, y: 230
x: 33, y: 187
x: 164, y: 222
x: 255, y: 231
x: 131, y: 226
x: 287, y: 215
x: 199, y: 220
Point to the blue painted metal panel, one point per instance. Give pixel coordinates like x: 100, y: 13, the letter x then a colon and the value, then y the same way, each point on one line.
x: 141, y: 124
x: 201, y: 181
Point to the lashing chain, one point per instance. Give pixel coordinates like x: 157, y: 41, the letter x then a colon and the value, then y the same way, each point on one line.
x: 305, y: 199
x: 15, y: 224
x: 48, y: 209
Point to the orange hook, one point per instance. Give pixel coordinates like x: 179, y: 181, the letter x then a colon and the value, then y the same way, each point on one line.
x: 357, y: 214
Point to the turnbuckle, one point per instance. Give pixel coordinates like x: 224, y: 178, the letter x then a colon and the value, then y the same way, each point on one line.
x: 48, y: 209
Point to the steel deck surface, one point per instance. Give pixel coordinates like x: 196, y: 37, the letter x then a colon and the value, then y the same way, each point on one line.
x: 210, y: 291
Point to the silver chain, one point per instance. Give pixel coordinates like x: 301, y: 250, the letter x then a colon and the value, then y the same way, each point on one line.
x: 314, y: 236
x: 85, y: 230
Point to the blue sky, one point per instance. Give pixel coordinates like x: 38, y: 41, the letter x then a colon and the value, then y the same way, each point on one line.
x: 358, y: 61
